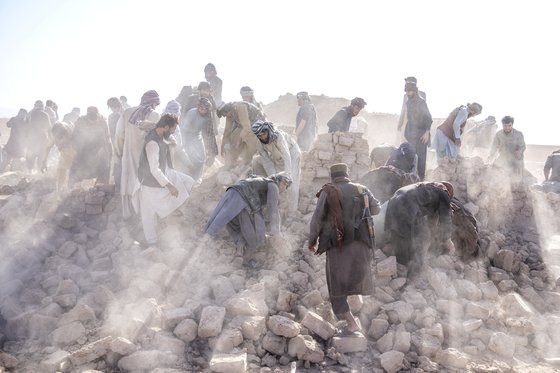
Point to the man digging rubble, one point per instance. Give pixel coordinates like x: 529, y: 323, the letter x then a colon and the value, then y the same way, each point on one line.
x: 340, y: 223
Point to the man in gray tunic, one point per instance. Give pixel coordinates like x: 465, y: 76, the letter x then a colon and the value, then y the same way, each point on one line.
x: 193, y: 125
x: 510, y: 145
x: 241, y: 209
x: 306, y: 122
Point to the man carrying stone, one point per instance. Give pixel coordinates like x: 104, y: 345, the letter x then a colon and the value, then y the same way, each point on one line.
x: 412, y: 212
x: 418, y: 123
x: 340, y: 224
x: 447, y: 141
x: 162, y: 190
x: 306, y: 121
x: 238, y: 140
x: 510, y: 146
x: 341, y: 120
x: 277, y: 152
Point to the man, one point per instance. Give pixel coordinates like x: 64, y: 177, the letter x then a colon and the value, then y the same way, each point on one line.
x: 92, y: 147
x: 510, y: 146
x: 306, y: 122
x: 211, y: 76
x: 242, y: 210
x: 418, y: 123
x: 72, y: 116
x: 402, y: 117
x: 115, y: 105
x: 248, y: 95
x: 204, y: 91
x: 62, y: 138
x: 15, y: 147
x: 341, y: 120
x: 404, y: 158
x: 238, y: 139
x: 411, y: 213
x: 124, y: 102
x: 197, y: 130
x: 552, y: 164
x: 132, y: 127
x: 183, y: 98
x: 38, y: 135
x: 162, y: 190
x: 340, y: 224
x: 277, y: 152
x: 52, y: 110
x: 447, y: 141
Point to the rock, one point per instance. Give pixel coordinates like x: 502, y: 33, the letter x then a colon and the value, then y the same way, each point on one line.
x: 186, y: 330
x: 507, y: 260
x: 387, y: 267
x: 532, y: 296
x: 166, y: 341
x: 68, y: 334
x: 476, y: 311
x: 253, y: 327
x: 41, y: 326
x: 304, y: 347
x: 66, y: 300
x: 426, y: 344
x: 452, y: 358
x: 228, y: 340
x: 507, y: 285
x: 378, y: 328
x: 274, y: 344
x: 141, y: 361
x: 7, y: 360
x: 82, y: 313
x: 386, y: 342
x: 122, y: 346
x: 402, y: 341
x: 391, y: 361
x: 318, y: 325
x: 514, y: 305
x: 222, y: 289
x: 397, y: 283
x: 229, y: 363
x: 489, y: 290
x: 450, y: 307
x: 427, y: 365
x: 470, y: 325
x: 312, y: 299
x: 67, y: 249
x: 211, y: 321
x: 286, y: 300
x: 250, y: 302
x: 468, y: 290
x: 356, y: 302
x: 53, y: 361
x: 91, y: 352
x: 283, y: 326
x: 344, y: 345
x: 414, y: 298
x: 403, y: 310
x: 502, y: 344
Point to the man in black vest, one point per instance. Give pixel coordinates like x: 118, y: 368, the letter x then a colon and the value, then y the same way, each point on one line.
x: 162, y: 189
x: 340, y: 223
x: 341, y: 120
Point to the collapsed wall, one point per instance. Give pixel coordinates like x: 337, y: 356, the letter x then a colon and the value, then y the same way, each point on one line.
x: 93, y: 299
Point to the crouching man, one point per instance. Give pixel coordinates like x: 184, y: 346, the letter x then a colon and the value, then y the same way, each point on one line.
x: 162, y: 189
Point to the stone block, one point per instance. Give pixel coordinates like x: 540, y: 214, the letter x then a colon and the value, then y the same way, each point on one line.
x: 283, y: 326
x: 391, y: 361
x: 222, y: 289
x: 402, y: 341
x: 318, y: 325
x: 402, y: 309
x: 468, y: 290
x: 502, y: 344
x: 470, y: 325
x: 348, y: 344
x: 141, y: 361
x: 476, y: 311
x: 122, y: 346
x: 325, y: 155
x: 378, y: 328
x: 286, y: 300
x: 229, y: 363
x: 489, y: 290
x: 253, y: 327
x: 355, y: 302
x: 312, y: 299
x: 274, y: 344
x: 68, y: 334
x: 508, y: 260
x: 53, y: 361
x: 228, y: 340
x: 250, y: 302
x: 91, y: 352
x: 452, y: 358
x: 186, y: 330
x: 304, y: 347
x: 514, y: 305
x: 211, y: 321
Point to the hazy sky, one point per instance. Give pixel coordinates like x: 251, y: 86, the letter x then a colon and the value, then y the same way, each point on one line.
x: 502, y: 54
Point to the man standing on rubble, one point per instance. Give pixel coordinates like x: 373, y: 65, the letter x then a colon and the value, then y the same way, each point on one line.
x: 341, y: 224
x: 403, y: 116
x: 211, y: 76
x: 411, y: 213
x: 341, y: 120
x: 306, y: 121
x: 277, y: 152
x: 163, y: 190
x: 418, y: 123
x: 447, y: 141
x: 238, y: 139
x: 38, y: 134
x: 510, y: 146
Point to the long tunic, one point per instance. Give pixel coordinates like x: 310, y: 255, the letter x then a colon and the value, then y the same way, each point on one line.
x: 15, y: 147
x: 308, y: 134
x: 419, y: 120
x: 348, y: 268
x: 192, y: 127
x: 37, y: 135
x: 238, y: 139
x: 129, y: 144
x: 245, y: 228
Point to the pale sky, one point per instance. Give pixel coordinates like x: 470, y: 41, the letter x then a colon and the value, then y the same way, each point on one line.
x: 502, y: 54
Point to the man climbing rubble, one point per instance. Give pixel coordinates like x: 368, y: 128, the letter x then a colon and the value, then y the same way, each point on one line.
x: 277, y: 151
x: 242, y: 210
x: 340, y: 224
x: 163, y: 190
x: 412, y: 212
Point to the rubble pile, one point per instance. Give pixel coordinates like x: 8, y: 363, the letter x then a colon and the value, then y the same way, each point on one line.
x: 84, y: 295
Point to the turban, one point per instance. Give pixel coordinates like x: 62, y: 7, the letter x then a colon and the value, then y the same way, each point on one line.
x: 148, y: 103
x: 246, y: 91
x: 173, y: 107
x: 260, y: 126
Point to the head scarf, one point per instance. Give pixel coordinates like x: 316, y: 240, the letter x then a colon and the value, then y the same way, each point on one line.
x: 246, y: 91
x: 261, y: 125
x: 406, y: 150
x: 303, y: 95
x: 281, y: 176
x: 148, y: 103
x: 172, y: 107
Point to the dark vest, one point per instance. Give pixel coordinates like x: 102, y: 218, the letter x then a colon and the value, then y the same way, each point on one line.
x: 254, y: 191
x: 355, y: 229
x: 447, y: 126
x: 144, y: 174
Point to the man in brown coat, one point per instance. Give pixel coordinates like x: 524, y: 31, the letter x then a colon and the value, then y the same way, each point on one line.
x: 339, y: 223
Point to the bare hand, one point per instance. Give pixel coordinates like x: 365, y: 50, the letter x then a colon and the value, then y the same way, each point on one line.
x: 450, y: 246
x: 458, y: 142
x: 425, y: 137
x: 174, y: 192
